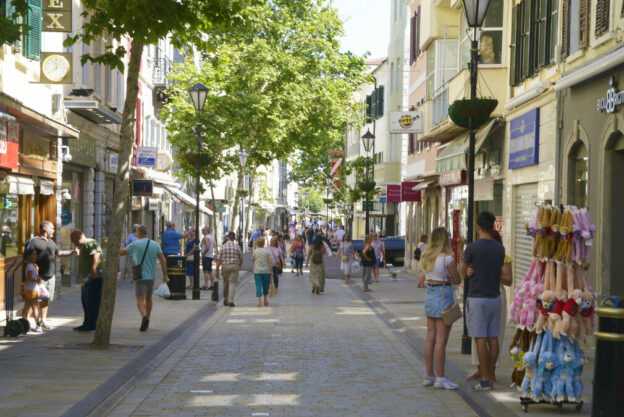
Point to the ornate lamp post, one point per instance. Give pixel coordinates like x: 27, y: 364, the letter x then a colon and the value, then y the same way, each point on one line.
x: 242, y: 158
x: 368, y: 139
x: 198, y: 94
x: 475, y: 14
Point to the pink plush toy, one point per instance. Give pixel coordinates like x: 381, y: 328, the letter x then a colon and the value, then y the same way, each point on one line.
x: 587, y: 232
x: 578, y: 242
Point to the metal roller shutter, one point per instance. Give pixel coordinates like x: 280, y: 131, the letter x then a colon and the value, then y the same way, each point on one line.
x: 526, y: 197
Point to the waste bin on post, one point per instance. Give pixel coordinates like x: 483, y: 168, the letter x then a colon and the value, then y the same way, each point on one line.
x: 176, y: 270
x: 608, y: 376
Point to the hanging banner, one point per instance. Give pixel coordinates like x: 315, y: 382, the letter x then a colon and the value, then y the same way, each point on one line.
x: 407, y: 192
x: 406, y: 122
x: 484, y: 190
x: 393, y: 193
x: 524, y: 140
x: 146, y: 157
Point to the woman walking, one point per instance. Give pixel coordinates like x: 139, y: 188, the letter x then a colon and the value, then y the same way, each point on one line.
x: 191, y: 242
x: 368, y: 263
x: 345, y: 254
x: 317, y: 269
x: 439, y: 272
x: 277, y: 259
x: 262, y: 271
x: 297, y: 252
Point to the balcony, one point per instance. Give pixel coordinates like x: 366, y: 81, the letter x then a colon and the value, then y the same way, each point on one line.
x: 160, y: 71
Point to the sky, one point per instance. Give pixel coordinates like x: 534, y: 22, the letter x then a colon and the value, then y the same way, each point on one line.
x: 366, y: 25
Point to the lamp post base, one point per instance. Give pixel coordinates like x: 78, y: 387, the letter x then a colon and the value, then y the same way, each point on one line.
x: 466, y: 345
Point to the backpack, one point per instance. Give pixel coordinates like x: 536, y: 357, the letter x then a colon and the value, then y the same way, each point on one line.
x: 417, y: 254
x: 317, y: 257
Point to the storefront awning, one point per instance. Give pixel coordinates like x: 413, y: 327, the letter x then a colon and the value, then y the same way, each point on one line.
x: 47, y: 126
x: 188, y: 200
x: 46, y: 187
x: 453, y: 157
x: 17, y: 185
x: 94, y: 111
x: 423, y: 185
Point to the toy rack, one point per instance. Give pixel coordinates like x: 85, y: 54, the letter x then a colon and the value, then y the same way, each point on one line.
x: 526, y: 401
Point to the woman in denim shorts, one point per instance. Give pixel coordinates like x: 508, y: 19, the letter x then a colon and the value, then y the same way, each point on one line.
x: 437, y: 266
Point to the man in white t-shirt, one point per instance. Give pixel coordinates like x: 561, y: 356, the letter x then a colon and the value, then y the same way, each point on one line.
x: 207, y: 253
x: 340, y: 234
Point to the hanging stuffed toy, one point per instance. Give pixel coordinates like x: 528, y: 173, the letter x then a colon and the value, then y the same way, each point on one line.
x: 547, y: 298
x: 541, y: 384
x: 563, y: 376
x: 540, y: 249
x: 587, y: 232
x: 581, y: 361
x: 587, y: 313
x: 578, y: 242
x: 570, y: 309
x: 553, y: 234
x: 530, y: 366
x: 521, y: 343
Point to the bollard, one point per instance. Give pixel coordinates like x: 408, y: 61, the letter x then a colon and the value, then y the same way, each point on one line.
x: 176, y: 270
x: 608, y: 398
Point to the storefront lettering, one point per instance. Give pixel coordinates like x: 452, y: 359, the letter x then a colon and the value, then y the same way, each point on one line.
x: 613, y: 98
x: 34, y: 149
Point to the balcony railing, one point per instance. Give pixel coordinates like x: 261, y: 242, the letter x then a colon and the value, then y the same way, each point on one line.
x: 440, y: 106
x: 160, y: 71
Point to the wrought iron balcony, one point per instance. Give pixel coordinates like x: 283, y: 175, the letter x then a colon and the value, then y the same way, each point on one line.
x: 160, y: 71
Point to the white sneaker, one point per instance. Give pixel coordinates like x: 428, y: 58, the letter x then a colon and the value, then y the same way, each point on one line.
x: 428, y: 381
x: 444, y: 383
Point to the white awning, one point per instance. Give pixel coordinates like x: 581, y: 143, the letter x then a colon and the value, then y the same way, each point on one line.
x: 187, y: 199
x: 46, y: 187
x: 18, y: 185
x: 157, y: 191
x: 423, y: 185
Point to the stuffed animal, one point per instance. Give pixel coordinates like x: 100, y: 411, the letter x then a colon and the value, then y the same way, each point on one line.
x: 581, y: 361
x: 541, y: 383
x: 554, y: 317
x: 563, y: 378
x: 564, y: 250
x: 587, y: 232
x: 540, y: 249
x: 587, y: 313
x: 529, y: 365
x: 578, y: 242
x: 553, y: 234
x: 548, y: 304
x: 570, y: 308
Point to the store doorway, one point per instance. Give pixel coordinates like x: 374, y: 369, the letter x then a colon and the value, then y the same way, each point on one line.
x: 613, y: 225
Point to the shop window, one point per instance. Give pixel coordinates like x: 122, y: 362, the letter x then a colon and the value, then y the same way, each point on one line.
x: 491, y: 45
x: 9, y: 217
x: 578, y: 175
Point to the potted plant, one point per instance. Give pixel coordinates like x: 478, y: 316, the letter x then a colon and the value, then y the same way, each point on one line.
x: 480, y: 109
x: 367, y: 185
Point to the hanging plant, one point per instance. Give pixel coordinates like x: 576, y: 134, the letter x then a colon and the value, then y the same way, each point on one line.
x: 327, y: 200
x: 367, y: 185
x: 460, y: 111
x: 202, y: 158
x: 242, y: 193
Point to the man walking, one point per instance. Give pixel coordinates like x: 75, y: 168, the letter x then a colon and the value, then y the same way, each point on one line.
x: 207, y: 253
x: 254, y: 236
x: 231, y: 259
x: 380, y: 254
x: 483, y: 303
x: 90, y: 276
x: 46, y: 255
x: 171, y: 240
x: 147, y: 250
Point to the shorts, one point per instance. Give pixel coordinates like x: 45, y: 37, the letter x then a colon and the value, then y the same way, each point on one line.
x: 207, y: 264
x: 50, y: 284
x: 30, y: 295
x: 483, y: 317
x: 433, y: 300
x: 144, y: 287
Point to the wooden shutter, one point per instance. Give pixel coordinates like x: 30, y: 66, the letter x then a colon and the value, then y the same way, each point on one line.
x: 553, y: 30
x: 542, y: 32
x: 374, y: 104
x: 602, y: 17
x: 413, y: 39
x: 584, y: 20
x: 410, y: 144
x: 513, y: 48
x: 380, y: 101
x: 565, y: 29
x: 32, y: 41
x: 417, y: 41
x: 527, y: 32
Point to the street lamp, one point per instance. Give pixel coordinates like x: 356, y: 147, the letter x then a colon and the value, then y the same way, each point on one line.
x: 368, y: 139
x: 198, y: 94
x: 242, y: 158
x: 475, y: 15
x: 328, y: 181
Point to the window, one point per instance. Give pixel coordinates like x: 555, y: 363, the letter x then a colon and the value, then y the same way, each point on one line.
x: 441, y: 64
x: 415, y: 36
x: 108, y: 84
x: 578, y: 163
x: 9, y: 220
x: 30, y: 44
x: 602, y: 17
x: 533, y: 37
x: 375, y: 104
x: 97, y: 78
x: 85, y: 67
x: 411, y: 139
x: 491, y: 41
x: 120, y: 91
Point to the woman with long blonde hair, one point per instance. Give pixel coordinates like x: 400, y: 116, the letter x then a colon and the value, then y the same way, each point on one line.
x: 439, y: 273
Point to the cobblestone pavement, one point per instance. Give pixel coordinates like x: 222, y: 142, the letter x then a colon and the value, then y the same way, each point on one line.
x: 303, y: 355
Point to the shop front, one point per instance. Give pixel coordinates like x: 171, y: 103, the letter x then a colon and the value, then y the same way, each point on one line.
x: 592, y: 166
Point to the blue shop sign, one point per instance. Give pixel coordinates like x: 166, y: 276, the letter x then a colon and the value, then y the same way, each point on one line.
x: 383, y: 199
x: 524, y: 140
x: 66, y: 217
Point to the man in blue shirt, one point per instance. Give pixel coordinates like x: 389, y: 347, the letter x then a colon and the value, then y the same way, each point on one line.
x: 144, y: 287
x: 171, y: 240
x: 254, y: 236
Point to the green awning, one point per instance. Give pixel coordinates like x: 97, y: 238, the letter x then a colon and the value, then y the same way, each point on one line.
x: 453, y: 157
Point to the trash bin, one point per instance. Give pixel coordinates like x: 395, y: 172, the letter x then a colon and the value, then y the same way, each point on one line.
x: 608, y: 376
x: 176, y: 270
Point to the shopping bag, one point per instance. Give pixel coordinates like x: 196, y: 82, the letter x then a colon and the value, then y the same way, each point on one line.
x: 215, y: 291
x: 163, y: 291
x: 272, y: 289
x: 355, y: 267
x: 43, y: 293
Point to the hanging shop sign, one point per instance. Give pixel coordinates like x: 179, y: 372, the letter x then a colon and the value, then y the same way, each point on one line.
x: 524, y: 140
x: 144, y: 188
x: 484, y: 190
x: 8, y: 144
x: 406, y: 122
x: 612, y: 99
x: 456, y: 177
x: 57, y: 16
x: 163, y: 162
x: 407, y: 191
x: 393, y: 193
x: 146, y: 157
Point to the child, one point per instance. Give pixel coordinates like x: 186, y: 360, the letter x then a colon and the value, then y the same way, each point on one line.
x: 31, y: 287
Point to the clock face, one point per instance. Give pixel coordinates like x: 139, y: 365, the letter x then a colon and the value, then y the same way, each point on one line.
x: 55, y: 67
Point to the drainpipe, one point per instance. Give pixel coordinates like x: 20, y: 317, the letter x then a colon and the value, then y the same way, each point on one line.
x: 559, y: 125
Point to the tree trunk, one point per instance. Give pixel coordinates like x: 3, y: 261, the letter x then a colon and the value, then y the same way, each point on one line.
x: 236, y: 207
x: 248, y: 218
x: 214, y: 218
x: 111, y: 264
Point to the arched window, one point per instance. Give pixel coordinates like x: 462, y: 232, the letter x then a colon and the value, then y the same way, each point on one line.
x: 578, y: 175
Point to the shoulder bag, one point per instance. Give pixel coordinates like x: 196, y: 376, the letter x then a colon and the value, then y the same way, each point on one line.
x: 137, y: 272
x: 453, y: 313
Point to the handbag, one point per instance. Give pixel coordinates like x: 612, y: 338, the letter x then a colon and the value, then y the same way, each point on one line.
x: 137, y: 272
x: 346, y: 258
x: 453, y: 313
x: 44, y: 294
x: 272, y: 289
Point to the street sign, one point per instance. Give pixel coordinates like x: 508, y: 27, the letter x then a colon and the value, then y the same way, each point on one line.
x: 146, y: 157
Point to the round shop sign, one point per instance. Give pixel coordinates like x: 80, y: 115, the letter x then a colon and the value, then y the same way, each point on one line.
x: 406, y: 121
x: 163, y: 162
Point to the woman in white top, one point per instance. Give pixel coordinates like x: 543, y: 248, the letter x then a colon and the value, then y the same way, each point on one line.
x: 437, y: 267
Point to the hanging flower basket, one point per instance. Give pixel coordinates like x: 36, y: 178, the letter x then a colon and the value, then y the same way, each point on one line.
x: 327, y: 200
x: 367, y: 186
x: 242, y: 193
x: 202, y: 158
x: 460, y: 111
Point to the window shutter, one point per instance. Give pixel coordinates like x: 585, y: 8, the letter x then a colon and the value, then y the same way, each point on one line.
x: 602, y: 17
x: 417, y: 44
x: 565, y: 29
x: 374, y: 104
x: 527, y: 25
x: 368, y: 109
x: 513, y: 48
x: 584, y: 20
x: 413, y: 39
x: 33, y: 39
x: 410, y: 144
x: 380, y: 101
x: 542, y: 33
x: 553, y: 30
